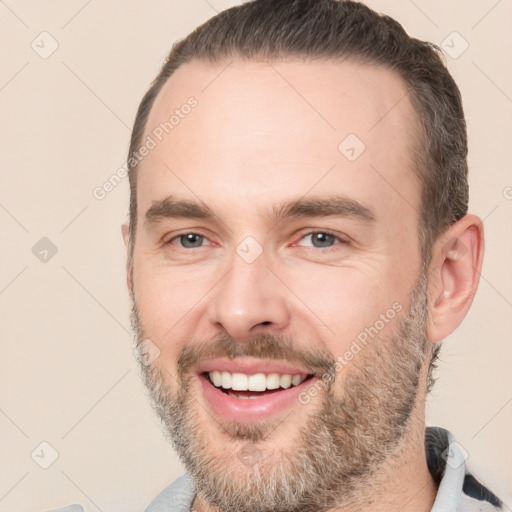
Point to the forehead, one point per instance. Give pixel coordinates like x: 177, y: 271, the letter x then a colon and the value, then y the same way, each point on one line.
x: 263, y: 131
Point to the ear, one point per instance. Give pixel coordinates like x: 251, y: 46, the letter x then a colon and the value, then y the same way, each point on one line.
x: 125, y: 230
x: 454, y: 274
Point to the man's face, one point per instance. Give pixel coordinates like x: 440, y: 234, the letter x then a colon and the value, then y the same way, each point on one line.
x: 301, y: 250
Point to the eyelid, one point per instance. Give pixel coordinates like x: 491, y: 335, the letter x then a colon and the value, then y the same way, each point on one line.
x: 187, y: 232
x: 343, y: 239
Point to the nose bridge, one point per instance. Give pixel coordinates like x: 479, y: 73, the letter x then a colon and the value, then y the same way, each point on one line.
x: 249, y: 297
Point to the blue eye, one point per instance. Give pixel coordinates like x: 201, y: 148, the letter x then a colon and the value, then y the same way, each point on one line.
x: 190, y: 240
x: 320, y: 239
x: 316, y: 239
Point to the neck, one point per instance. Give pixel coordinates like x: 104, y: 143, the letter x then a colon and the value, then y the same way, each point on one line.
x: 403, y: 482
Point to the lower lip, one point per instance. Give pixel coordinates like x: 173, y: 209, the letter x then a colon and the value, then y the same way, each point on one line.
x: 249, y: 410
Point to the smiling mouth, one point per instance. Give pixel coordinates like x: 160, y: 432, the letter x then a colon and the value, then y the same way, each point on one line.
x: 250, y: 387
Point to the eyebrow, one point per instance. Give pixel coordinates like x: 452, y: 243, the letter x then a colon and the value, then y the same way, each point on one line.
x: 331, y: 206
x: 170, y: 207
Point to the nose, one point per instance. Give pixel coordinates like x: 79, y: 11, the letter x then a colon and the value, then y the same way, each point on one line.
x: 249, y: 300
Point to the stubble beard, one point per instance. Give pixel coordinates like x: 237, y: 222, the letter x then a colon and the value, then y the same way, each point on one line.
x: 339, y: 448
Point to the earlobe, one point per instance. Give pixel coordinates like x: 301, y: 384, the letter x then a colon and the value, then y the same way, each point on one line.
x: 454, y: 275
x: 125, y: 230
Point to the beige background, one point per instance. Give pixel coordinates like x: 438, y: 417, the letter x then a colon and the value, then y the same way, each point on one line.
x: 68, y: 374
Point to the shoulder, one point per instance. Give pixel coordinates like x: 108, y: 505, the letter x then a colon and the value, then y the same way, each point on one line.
x: 477, y: 497
x: 447, y: 465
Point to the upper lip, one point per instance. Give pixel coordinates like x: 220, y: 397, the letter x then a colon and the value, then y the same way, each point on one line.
x: 251, y: 366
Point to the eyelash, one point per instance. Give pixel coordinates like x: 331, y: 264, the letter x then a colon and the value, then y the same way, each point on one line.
x: 177, y: 237
x: 339, y: 239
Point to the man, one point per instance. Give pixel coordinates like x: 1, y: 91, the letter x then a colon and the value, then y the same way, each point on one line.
x: 298, y: 246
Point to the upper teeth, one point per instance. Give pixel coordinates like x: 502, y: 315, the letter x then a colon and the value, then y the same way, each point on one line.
x: 257, y: 382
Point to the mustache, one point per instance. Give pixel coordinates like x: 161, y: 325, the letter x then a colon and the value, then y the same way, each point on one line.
x: 263, y: 346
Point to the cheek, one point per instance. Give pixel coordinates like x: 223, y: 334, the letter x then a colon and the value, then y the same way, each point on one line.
x: 345, y: 302
x: 167, y: 299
